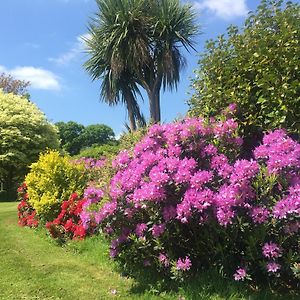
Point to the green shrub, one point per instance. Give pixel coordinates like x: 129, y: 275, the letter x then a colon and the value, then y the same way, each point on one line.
x: 128, y: 140
x: 52, y: 179
x: 100, y: 151
x: 257, y: 69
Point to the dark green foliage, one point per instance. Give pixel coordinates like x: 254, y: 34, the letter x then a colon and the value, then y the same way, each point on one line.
x: 96, y: 134
x: 257, y: 68
x: 75, y: 137
x: 10, y: 195
x: 69, y: 134
x: 138, y: 43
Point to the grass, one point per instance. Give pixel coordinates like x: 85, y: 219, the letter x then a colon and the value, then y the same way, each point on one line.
x: 32, y: 266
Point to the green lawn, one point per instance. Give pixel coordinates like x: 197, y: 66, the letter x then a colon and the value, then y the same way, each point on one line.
x: 34, y: 267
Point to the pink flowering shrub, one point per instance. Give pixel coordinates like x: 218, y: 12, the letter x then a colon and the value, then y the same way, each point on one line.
x: 93, y: 168
x: 183, y: 200
x: 90, y: 163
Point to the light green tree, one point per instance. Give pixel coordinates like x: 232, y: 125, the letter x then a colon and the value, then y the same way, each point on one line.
x: 24, y: 133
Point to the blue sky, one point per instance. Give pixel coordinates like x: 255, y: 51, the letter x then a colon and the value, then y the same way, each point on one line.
x: 41, y: 43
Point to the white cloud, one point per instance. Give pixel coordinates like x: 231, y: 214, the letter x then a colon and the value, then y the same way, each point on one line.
x: 73, y: 53
x: 32, y: 45
x: 225, y: 9
x: 39, y: 78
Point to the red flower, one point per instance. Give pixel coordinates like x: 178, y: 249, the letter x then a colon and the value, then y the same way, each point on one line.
x: 56, y: 221
x: 65, y: 205
x: 62, y: 214
x: 79, y: 231
x: 48, y: 225
x: 26, y: 213
x: 73, y: 197
x: 69, y: 225
x: 78, y: 209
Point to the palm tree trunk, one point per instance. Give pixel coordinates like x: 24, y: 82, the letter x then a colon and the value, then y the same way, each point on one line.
x: 157, y: 105
x: 131, y: 117
x: 154, y: 103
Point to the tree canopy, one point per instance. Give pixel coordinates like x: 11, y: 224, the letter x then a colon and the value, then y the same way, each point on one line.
x: 11, y: 85
x: 75, y: 137
x: 257, y: 68
x: 96, y: 134
x: 24, y: 133
x: 137, y: 43
x: 69, y: 134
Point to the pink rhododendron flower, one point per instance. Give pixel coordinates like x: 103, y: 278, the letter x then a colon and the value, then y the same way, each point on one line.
x: 272, y: 267
x: 271, y: 250
x: 147, y: 263
x: 158, y: 230
x: 279, y: 151
x: 163, y: 258
x: 240, y: 274
x: 140, y: 229
x: 183, y: 264
x: 288, y: 205
x: 259, y: 215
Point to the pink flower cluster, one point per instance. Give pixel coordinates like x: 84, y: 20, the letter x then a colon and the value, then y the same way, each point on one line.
x: 290, y: 205
x: 180, y: 176
x: 183, y: 264
x: 280, y: 151
x: 179, y: 157
x: 240, y: 274
x: 90, y: 163
x: 272, y: 251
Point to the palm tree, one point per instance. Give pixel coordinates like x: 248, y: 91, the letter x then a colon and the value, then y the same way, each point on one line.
x: 123, y: 89
x: 114, y: 89
x: 141, y: 39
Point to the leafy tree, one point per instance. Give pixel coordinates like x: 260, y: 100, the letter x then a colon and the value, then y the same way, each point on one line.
x: 24, y: 133
x: 10, y: 85
x: 75, y: 137
x: 96, y: 134
x: 257, y: 68
x: 69, y: 134
x: 137, y: 42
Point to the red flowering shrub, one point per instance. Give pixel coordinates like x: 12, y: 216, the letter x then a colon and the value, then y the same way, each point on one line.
x: 26, y: 213
x: 68, y: 224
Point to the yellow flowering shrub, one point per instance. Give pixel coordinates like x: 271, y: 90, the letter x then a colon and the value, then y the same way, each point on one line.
x: 52, y: 179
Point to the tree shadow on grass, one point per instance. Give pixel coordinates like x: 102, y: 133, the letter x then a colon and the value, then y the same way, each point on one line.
x: 205, y: 285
